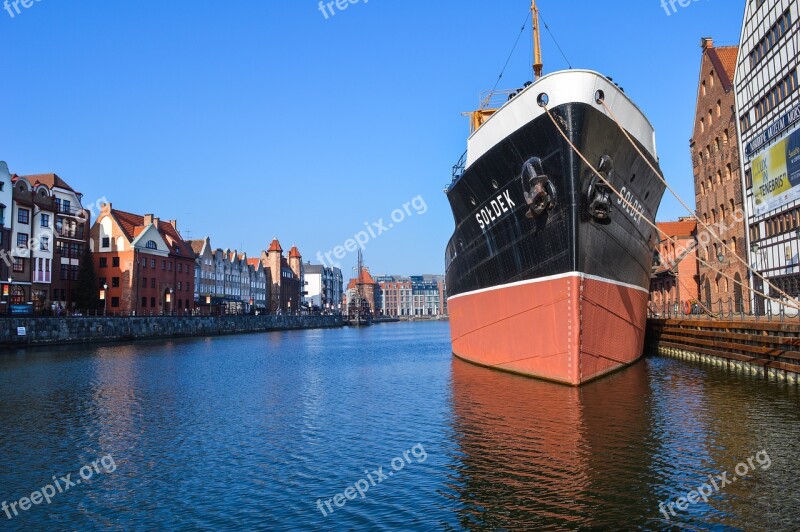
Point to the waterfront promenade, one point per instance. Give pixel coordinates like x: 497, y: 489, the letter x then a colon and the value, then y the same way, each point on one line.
x: 18, y: 332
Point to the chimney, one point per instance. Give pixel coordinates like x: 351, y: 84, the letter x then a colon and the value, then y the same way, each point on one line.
x: 706, y: 43
x: 156, y: 221
x: 174, y: 223
x: 148, y: 219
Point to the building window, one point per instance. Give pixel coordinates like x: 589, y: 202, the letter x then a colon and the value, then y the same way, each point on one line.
x: 22, y: 240
x: 115, y: 282
x: 151, y: 245
x: 144, y: 302
x: 115, y: 262
x: 163, y: 265
x: 180, y: 285
x: 45, y: 220
x: 170, y: 266
x: 153, y: 263
x: 114, y: 302
x: 103, y: 262
x: 153, y: 302
x: 74, y: 271
x: 144, y: 282
x: 23, y: 216
x: 44, y: 243
x: 101, y: 281
x: 152, y: 282
x: 106, y: 242
x: 19, y: 266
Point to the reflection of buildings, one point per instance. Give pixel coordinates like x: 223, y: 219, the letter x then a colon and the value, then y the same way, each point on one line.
x: 675, y: 279
x: 717, y: 180
x: 768, y: 106
x: 536, y: 455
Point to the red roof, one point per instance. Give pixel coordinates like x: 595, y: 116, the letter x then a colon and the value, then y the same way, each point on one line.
x: 681, y: 228
x: 275, y: 246
x: 48, y: 180
x: 363, y: 278
x: 727, y: 56
x: 294, y: 253
x: 133, y: 224
x: 254, y: 262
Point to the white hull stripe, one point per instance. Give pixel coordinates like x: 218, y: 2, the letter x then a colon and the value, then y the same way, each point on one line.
x: 550, y: 278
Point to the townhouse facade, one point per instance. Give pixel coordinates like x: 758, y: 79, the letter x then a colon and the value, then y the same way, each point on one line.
x: 768, y: 110
x: 32, y: 230
x: 717, y: 179
x: 675, y: 283
x: 6, y: 203
x: 415, y: 295
x: 143, y: 265
x: 227, y: 281
x: 323, y: 287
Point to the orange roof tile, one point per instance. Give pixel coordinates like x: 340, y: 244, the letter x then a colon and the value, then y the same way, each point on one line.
x: 275, y: 246
x: 679, y: 228
x: 727, y: 56
x: 133, y: 224
x: 294, y: 253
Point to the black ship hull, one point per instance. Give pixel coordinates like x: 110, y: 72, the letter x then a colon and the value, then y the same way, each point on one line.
x: 506, y: 260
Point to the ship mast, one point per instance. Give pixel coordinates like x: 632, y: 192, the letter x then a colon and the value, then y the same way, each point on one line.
x: 537, y: 45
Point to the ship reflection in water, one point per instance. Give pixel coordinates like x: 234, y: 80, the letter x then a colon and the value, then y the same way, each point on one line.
x: 536, y: 454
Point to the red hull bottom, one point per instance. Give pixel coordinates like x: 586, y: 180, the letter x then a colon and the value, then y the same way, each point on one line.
x: 569, y: 328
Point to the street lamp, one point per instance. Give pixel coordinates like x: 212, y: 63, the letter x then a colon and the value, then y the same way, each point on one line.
x: 104, y: 298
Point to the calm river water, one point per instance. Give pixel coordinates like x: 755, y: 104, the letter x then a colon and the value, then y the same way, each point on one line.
x: 287, y: 431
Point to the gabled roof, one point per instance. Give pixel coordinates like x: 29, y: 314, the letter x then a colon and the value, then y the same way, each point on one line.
x: 48, y: 180
x: 133, y: 224
x: 197, y: 246
x: 724, y: 60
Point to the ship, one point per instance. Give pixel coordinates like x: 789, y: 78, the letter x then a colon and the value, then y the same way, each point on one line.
x: 548, y: 268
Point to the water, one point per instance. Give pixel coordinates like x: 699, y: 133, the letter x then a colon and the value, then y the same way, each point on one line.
x: 249, y: 432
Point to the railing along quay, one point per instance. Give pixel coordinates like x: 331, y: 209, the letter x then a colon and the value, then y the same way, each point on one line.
x: 770, y: 348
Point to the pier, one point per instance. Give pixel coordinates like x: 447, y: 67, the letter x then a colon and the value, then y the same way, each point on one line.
x: 753, y: 345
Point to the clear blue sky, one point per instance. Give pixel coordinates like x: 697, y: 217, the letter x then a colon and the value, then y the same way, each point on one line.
x: 250, y: 119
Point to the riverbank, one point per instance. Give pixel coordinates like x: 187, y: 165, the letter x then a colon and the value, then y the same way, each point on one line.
x: 764, y: 348
x: 25, y: 332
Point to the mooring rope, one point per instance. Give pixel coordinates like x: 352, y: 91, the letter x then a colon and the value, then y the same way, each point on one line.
x: 691, y: 211
x: 794, y: 304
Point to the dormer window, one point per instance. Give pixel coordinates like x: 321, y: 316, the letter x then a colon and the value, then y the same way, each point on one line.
x: 151, y: 245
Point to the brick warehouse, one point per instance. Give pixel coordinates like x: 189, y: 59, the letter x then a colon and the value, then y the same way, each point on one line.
x: 717, y: 178
x: 148, y: 267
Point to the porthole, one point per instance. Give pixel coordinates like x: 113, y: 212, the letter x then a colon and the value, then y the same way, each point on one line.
x: 543, y: 99
x: 600, y: 96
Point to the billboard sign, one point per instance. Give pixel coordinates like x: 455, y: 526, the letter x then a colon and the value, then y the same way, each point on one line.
x: 776, y: 175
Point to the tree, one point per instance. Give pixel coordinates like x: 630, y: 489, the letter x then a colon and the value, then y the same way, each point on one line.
x: 86, y: 293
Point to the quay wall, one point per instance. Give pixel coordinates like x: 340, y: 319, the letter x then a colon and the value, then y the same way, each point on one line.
x: 766, y: 349
x: 57, y: 331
